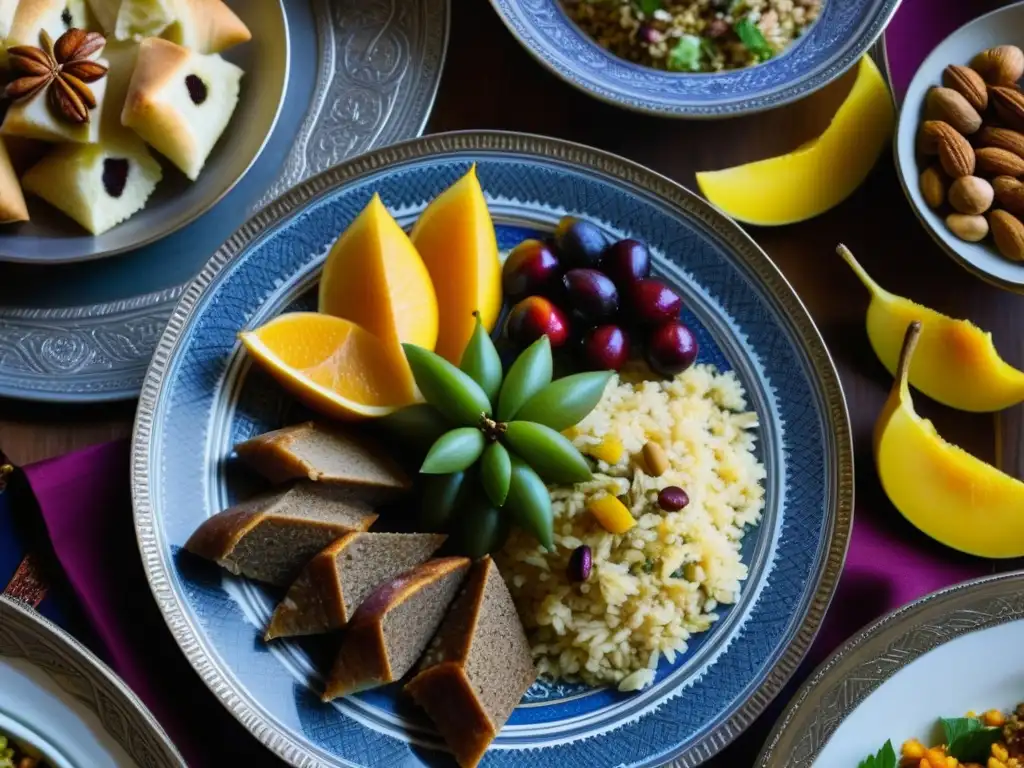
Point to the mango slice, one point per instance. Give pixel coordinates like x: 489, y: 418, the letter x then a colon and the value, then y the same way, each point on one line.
x: 956, y: 364
x: 820, y: 174
x: 941, y: 489
x: 455, y: 238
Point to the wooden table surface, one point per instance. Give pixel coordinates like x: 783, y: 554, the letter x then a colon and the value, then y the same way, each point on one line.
x: 490, y: 82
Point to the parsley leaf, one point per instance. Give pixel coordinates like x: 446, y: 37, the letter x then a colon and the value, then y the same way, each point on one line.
x: 884, y: 758
x: 685, y: 56
x: 967, y: 739
x: 648, y: 7
x: 753, y: 40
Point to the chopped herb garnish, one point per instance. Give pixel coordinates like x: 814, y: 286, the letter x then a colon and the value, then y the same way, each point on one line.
x: 753, y: 40
x: 648, y: 7
x: 967, y: 739
x: 884, y: 758
x: 685, y: 56
x: 678, y: 573
x: 648, y: 565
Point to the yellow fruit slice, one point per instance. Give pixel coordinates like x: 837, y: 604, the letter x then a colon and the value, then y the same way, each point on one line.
x: 941, y: 489
x: 820, y: 174
x: 375, y: 278
x: 455, y: 237
x: 332, y: 365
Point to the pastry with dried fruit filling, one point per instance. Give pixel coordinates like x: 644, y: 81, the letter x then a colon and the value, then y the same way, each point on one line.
x: 12, y: 201
x: 206, y: 26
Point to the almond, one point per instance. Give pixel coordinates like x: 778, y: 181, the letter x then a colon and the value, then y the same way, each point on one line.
x: 928, y: 136
x: 933, y: 186
x: 969, y: 194
x: 968, y: 84
x: 971, y: 228
x: 1009, y: 194
x: 1000, y: 65
x: 948, y: 105
x: 1008, y: 232
x: 993, y: 161
x: 1008, y: 104
x: 956, y: 155
x: 1004, y: 138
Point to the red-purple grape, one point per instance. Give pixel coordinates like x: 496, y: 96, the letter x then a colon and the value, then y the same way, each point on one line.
x: 625, y: 262
x: 606, y: 348
x: 671, y: 348
x: 534, y: 317
x: 579, y: 243
x: 652, y: 302
x: 592, y: 296
x: 530, y: 268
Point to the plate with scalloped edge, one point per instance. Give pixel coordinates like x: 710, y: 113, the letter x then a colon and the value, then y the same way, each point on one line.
x: 202, y: 396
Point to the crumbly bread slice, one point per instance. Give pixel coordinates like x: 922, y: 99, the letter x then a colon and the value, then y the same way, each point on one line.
x: 206, y: 26
x: 477, y: 667
x: 325, y: 455
x: 12, y: 201
x: 389, y: 631
x: 270, y: 538
x: 338, y: 579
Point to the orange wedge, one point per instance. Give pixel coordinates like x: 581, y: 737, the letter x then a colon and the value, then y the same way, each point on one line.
x: 332, y: 365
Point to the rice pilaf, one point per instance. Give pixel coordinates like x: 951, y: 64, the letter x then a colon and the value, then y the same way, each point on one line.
x: 656, y: 585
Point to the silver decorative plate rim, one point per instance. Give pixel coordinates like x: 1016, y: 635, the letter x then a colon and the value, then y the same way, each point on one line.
x: 154, y: 553
x: 119, y: 710
x: 961, y: 609
x: 408, y: 119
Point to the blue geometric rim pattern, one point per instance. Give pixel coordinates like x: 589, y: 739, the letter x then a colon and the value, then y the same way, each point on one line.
x: 203, y: 395
x: 843, y: 33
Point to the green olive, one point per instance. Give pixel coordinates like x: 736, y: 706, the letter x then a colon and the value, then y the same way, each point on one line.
x: 416, y: 426
x: 495, y: 473
x: 529, y: 374
x: 440, y: 499
x: 551, y: 453
x: 481, y: 528
x: 480, y: 360
x: 567, y: 401
x: 454, y: 451
x: 530, y: 503
x: 445, y: 387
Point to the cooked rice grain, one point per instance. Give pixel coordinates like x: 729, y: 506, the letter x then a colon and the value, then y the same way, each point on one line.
x: 655, y: 586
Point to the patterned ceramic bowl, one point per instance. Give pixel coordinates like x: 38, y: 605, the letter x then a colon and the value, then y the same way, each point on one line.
x: 843, y: 33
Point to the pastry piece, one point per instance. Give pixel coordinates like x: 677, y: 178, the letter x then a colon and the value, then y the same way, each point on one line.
x: 55, y: 17
x: 127, y: 19
x: 270, y: 538
x: 389, y: 631
x: 25, y: 153
x: 121, y: 57
x: 12, y: 201
x: 33, y: 118
x: 326, y: 455
x: 180, y: 102
x: 477, y: 668
x: 206, y: 26
x: 97, y: 185
x: 338, y: 579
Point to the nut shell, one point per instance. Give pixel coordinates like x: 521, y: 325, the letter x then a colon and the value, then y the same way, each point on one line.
x: 1003, y: 138
x: 1008, y: 232
x: 1009, y: 194
x: 928, y: 136
x: 971, y: 228
x: 1008, y: 104
x: 956, y: 155
x: 1000, y: 65
x: 933, y: 187
x: 968, y: 84
x: 948, y: 105
x: 969, y: 194
x: 993, y: 161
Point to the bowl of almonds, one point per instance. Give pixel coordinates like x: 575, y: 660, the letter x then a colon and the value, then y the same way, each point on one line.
x: 960, y: 146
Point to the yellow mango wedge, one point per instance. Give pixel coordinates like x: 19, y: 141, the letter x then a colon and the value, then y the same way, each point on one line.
x: 455, y: 237
x: 956, y: 363
x: 941, y: 489
x: 820, y: 174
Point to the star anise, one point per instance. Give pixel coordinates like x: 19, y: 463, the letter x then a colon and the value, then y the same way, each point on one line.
x: 63, y: 68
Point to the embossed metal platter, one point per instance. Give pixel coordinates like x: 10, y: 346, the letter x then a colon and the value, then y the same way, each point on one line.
x: 202, y: 396
x: 58, y: 697
x: 961, y: 645
x: 362, y: 73
x: 52, y: 238
x: 844, y: 32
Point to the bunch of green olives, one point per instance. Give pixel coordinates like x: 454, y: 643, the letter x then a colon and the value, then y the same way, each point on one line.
x: 495, y: 439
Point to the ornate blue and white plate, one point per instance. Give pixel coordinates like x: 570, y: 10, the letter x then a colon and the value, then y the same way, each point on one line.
x: 202, y: 395
x: 844, y: 32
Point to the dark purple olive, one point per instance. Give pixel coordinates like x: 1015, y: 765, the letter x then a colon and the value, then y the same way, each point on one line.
x: 652, y: 302
x: 625, y: 262
x: 530, y: 268
x: 606, y: 348
x: 579, y: 243
x: 672, y: 498
x: 592, y: 295
x: 671, y: 348
x: 534, y: 317
x: 580, y: 563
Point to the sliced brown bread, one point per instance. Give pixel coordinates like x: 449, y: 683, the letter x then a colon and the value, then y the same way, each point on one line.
x: 271, y: 537
x: 478, y: 666
x: 338, y: 579
x: 324, y: 454
x: 389, y: 631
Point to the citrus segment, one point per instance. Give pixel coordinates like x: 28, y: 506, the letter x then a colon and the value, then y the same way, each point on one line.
x: 455, y: 238
x: 332, y: 365
x: 820, y: 174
